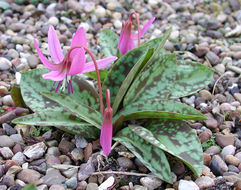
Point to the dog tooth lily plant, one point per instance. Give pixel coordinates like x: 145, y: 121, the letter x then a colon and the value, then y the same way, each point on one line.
x: 143, y: 83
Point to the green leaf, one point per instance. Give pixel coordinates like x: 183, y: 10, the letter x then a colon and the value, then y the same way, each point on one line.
x: 103, y: 74
x: 4, y: 5
x: 32, y: 84
x: 151, y: 156
x: 78, y: 109
x: 154, y: 81
x: 30, y: 187
x: 109, y: 41
x: 130, y: 77
x: 61, y: 120
x: 190, y: 77
x: 176, y: 138
x: 16, y: 96
x: 157, y: 108
x: 125, y: 63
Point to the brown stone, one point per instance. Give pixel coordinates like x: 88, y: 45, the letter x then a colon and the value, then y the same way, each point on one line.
x: 206, y: 159
x: 224, y: 140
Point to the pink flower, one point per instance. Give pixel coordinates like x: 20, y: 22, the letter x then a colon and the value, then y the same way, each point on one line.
x: 71, y: 64
x: 106, y: 128
x: 126, y: 41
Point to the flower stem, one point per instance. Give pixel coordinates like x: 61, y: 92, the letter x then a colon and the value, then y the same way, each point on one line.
x: 97, y: 74
x: 138, y: 27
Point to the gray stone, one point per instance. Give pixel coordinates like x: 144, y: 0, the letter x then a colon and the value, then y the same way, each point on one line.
x: 53, y: 151
x: 71, y: 183
x: 19, y: 158
x: 80, y: 142
x: 85, y: 170
x: 8, y: 101
x: 8, y: 129
x: 3, y: 187
x: 6, y: 141
x: 228, y: 150
x: 185, y: 184
x: 33, y: 61
x: 6, y: 152
x: 29, y: 176
x: 35, y: 151
x: 151, y: 182
x: 17, y: 138
x: 213, y: 58
x: 218, y: 166
x: 13, y: 53
x: 92, y: 186
x: 204, y: 182
x: 53, y: 177
x: 125, y: 163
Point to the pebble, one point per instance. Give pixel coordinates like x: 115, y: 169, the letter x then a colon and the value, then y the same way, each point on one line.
x: 6, y: 152
x: 19, y: 158
x: 237, y: 96
x: 17, y: 138
x: 226, y: 107
x: 204, y: 182
x: 228, y: 150
x: 77, y: 154
x: 52, y: 160
x: 80, y: 142
x: 8, y: 101
x: 33, y: 61
x: 92, y: 186
x: 53, y: 21
x: 66, y: 146
x: 5, y: 64
x: 71, y: 183
x: 185, y: 184
x: 232, y: 168
x: 6, y: 141
x: 52, y: 177
x: 125, y: 163
x: 82, y: 185
x: 230, y: 159
x: 238, y: 155
x: 211, y: 123
x: 151, y: 182
x: 29, y: 176
x: 35, y: 151
x: 205, y: 94
x: 50, y: 10
x: 70, y: 172
x: 213, y: 58
x: 224, y: 140
x: 85, y: 170
x: 206, y: 159
x: 53, y: 151
x: 100, y: 12
x: 8, y: 129
x: 13, y: 53
x: 56, y: 187
x: 218, y: 166
x: 219, y: 68
x: 42, y: 187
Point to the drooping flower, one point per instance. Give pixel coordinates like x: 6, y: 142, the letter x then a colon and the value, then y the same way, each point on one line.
x: 127, y: 39
x: 106, y: 128
x: 73, y: 63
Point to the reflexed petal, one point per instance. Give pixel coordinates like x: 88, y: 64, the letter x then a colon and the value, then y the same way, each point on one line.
x: 44, y: 60
x: 144, y: 29
x: 90, y: 66
x: 77, y: 62
x: 54, y: 46
x: 106, y: 132
x: 54, y: 76
x: 79, y: 38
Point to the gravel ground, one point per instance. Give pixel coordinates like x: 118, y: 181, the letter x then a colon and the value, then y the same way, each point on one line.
x: 205, y: 31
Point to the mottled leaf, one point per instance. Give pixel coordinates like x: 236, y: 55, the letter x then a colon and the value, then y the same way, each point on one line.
x: 103, y: 74
x: 125, y: 63
x: 176, y: 138
x: 32, y: 84
x: 157, y: 108
x: 78, y: 109
x: 30, y: 187
x: 151, y: 156
x: 61, y: 120
x: 155, y: 80
x: 190, y: 77
x: 130, y: 77
x: 16, y: 96
x: 108, y: 41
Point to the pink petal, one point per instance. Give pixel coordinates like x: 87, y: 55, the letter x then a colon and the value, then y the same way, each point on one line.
x: 106, y: 132
x: 44, y: 60
x: 126, y: 43
x: 54, y: 76
x: 100, y: 63
x: 77, y: 62
x: 78, y: 55
x: 54, y: 46
x: 144, y: 29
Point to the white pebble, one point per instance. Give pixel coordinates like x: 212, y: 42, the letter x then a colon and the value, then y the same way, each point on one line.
x: 53, y: 21
x: 100, y: 12
x: 5, y: 64
x: 117, y: 24
x: 7, y: 100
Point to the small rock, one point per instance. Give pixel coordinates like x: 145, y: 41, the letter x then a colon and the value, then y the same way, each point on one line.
x: 100, y: 12
x: 13, y: 170
x: 17, y: 138
x: 237, y: 96
x: 53, y: 151
x: 213, y: 58
x: 206, y: 159
x: 33, y: 61
x: 19, y: 158
x: 56, y: 187
x: 226, y: 107
x: 224, y: 140
x: 35, y: 151
x: 228, y: 150
x: 3, y: 187
x: 184, y: 185
x: 6, y: 152
x: 232, y: 168
x: 77, y: 154
x: 8, y: 101
x: 205, y: 94
x: 85, y: 170
x: 28, y: 176
x: 219, y: 68
x: 151, y: 182
x: 235, y: 4
x: 178, y: 167
x: 70, y: 172
x: 205, y: 135
x: 50, y: 10
x: 13, y: 53
x: 52, y: 160
x: 218, y: 166
x: 66, y: 146
x: 42, y: 187
x: 82, y: 185
x: 6, y: 141
x: 230, y: 159
x: 212, y: 150
x: 71, y: 183
x: 53, y: 21
x: 211, y: 123
x: 8, y: 129
x: 204, y: 182
x: 92, y: 186
x: 125, y: 163
x: 52, y: 177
